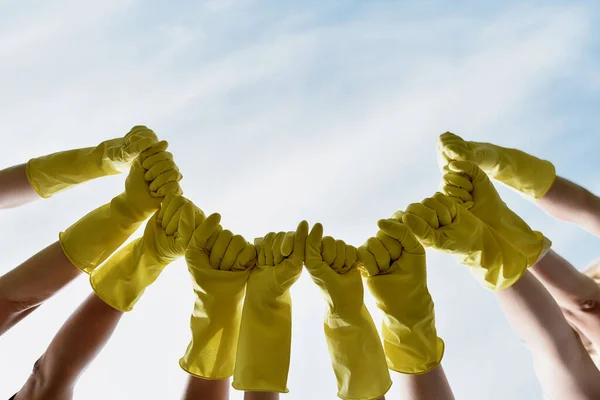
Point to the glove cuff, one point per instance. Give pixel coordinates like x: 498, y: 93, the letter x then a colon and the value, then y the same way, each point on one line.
x: 122, y: 280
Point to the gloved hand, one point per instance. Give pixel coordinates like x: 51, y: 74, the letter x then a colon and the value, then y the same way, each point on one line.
x: 122, y: 280
x: 92, y: 239
x: 467, y: 184
x: 395, y: 268
x: 263, y: 355
x: 219, y: 275
x: 56, y: 172
x: 519, y: 170
x: 442, y: 224
x: 354, y: 345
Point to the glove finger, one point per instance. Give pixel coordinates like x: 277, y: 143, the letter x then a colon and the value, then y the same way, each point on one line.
x: 168, y: 211
x: 268, y: 244
x: 328, y: 250
x: 398, y: 215
x: 468, y: 168
x: 351, y: 259
x: 171, y: 176
x: 392, y: 245
x: 206, y: 229
x: 447, y: 203
x: 276, y: 249
x: 213, y: 238
x: 382, y: 256
x: 340, y: 256
x: 218, y: 251
x: 236, y: 245
x: 260, y: 251
x: 300, y: 238
x: 457, y: 194
x: 155, y: 148
x: 186, y: 225
x: 139, y: 139
x: 314, y: 245
x: 287, y: 245
x: 171, y: 187
x: 367, y: 261
x: 442, y: 212
x: 422, y: 230
x: 157, y: 164
x: 246, y: 259
x: 423, y: 212
x: 458, y: 180
x: 402, y: 233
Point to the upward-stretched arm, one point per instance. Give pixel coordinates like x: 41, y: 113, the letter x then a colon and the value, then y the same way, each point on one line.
x: 15, y: 189
x: 563, y: 366
x: 570, y: 202
x: 33, y: 282
x: 71, y: 351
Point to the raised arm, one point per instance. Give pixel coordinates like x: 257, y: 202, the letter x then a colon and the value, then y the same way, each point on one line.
x: 71, y: 351
x: 219, y: 263
x: 92, y: 239
x: 394, y: 265
x: 44, y: 176
x: 118, y: 284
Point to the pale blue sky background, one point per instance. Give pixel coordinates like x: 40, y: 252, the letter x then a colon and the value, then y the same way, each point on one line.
x: 280, y: 111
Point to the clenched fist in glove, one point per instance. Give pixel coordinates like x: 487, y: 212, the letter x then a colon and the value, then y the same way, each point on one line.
x: 354, y: 345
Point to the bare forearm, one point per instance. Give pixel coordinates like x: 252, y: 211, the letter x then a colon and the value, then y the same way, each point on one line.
x: 564, y: 368
x: 430, y: 386
x: 79, y: 340
x: 198, y: 388
x: 261, y: 396
x: 15, y: 189
x: 570, y: 202
x: 569, y: 287
x: 33, y: 282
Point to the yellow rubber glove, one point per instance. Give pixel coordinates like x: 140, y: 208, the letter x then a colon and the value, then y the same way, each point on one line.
x: 56, y: 172
x: 92, y: 239
x: 442, y: 224
x: 122, y: 280
x: 263, y: 355
x: 395, y: 267
x: 219, y: 276
x: 354, y: 345
x: 467, y: 184
x: 519, y: 170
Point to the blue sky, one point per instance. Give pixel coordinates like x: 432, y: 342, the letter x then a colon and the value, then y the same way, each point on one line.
x: 282, y: 111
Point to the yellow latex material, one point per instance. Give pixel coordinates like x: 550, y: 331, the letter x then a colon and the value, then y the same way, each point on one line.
x: 263, y: 355
x: 122, y: 280
x: 467, y: 184
x: 57, y: 172
x: 354, y: 345
x: 517, y: 169
x: 395, y: 268
x: 91, y: 240
x: 219, y: 275
x: 445, y: 225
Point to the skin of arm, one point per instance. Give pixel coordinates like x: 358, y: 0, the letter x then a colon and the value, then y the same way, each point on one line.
x: 570, y: 202
x: 577, y: 294
x: 562, y: 364
x: 261, y: 396
x: 33, y: 282
x: 198, y: 388
x: 16, y: 190
x: 432, y: 385
x: 71, y: 351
